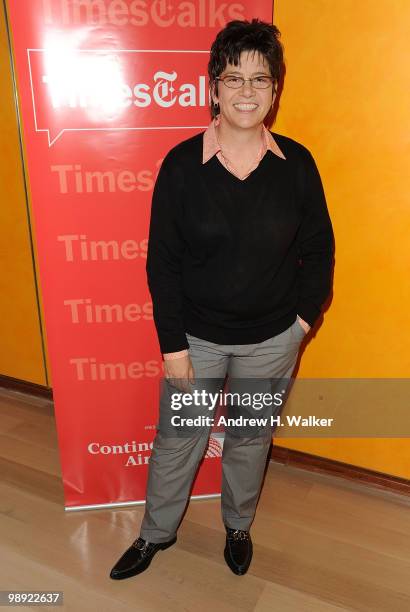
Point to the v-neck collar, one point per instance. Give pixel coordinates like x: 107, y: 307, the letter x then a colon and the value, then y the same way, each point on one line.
x: 223, y: 171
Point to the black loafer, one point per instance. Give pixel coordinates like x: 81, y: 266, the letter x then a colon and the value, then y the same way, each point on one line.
x: 137, y: 558
x: 238, y: 550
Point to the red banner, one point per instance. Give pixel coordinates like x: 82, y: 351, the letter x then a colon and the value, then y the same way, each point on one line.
x: 106, y: 88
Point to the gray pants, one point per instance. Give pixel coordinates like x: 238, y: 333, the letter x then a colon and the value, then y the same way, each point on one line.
x: 174, y: 461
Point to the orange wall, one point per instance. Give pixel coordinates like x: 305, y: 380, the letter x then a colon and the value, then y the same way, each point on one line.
x: 21, y: 354
x: 346, y: 97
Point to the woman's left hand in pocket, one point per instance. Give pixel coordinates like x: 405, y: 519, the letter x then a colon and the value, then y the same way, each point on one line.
x: 303, y: 323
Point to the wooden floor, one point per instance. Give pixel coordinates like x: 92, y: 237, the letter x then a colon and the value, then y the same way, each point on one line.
x: 321, y: 544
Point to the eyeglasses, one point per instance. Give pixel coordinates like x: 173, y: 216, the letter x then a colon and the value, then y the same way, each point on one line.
x: 236, y: 82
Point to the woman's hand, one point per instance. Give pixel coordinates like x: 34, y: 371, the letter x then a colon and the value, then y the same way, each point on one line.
x: 305, y: 325
x: 181, y: 372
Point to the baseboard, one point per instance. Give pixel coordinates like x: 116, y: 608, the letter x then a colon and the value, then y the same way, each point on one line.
x: 314, y: 463
x: 15, y: 384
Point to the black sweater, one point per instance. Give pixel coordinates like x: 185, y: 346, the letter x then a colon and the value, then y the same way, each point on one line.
x: 234, y: 261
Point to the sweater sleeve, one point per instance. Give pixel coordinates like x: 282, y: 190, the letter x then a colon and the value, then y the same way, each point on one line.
x: 315, y: 246
x: 164, y: 263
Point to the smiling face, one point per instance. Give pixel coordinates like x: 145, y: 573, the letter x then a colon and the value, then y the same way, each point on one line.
x: 246, y: 107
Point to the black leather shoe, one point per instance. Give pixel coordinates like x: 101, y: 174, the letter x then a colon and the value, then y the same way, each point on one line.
x: 238, y: 550
x: 137, y: 558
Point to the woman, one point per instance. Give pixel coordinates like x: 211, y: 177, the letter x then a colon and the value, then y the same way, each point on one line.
x: 239, y: 266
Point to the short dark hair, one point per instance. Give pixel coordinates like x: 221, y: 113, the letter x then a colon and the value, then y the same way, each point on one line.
x: 238, y: 36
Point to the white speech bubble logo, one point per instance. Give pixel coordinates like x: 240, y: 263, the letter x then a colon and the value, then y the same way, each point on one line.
x: 91, y: 81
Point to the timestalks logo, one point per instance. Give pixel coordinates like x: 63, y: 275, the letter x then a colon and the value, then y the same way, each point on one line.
x: 161, y: 13
x: 164, y: 92
x: 127, y: 89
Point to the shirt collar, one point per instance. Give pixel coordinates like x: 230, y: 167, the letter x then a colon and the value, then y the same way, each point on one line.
x: 211, y: 146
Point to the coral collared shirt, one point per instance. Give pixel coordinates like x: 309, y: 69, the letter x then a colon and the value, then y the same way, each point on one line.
x: 210, y: 148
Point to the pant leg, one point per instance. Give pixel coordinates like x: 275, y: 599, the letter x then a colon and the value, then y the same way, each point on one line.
x: 174, y: 460
x: 244, y: 457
